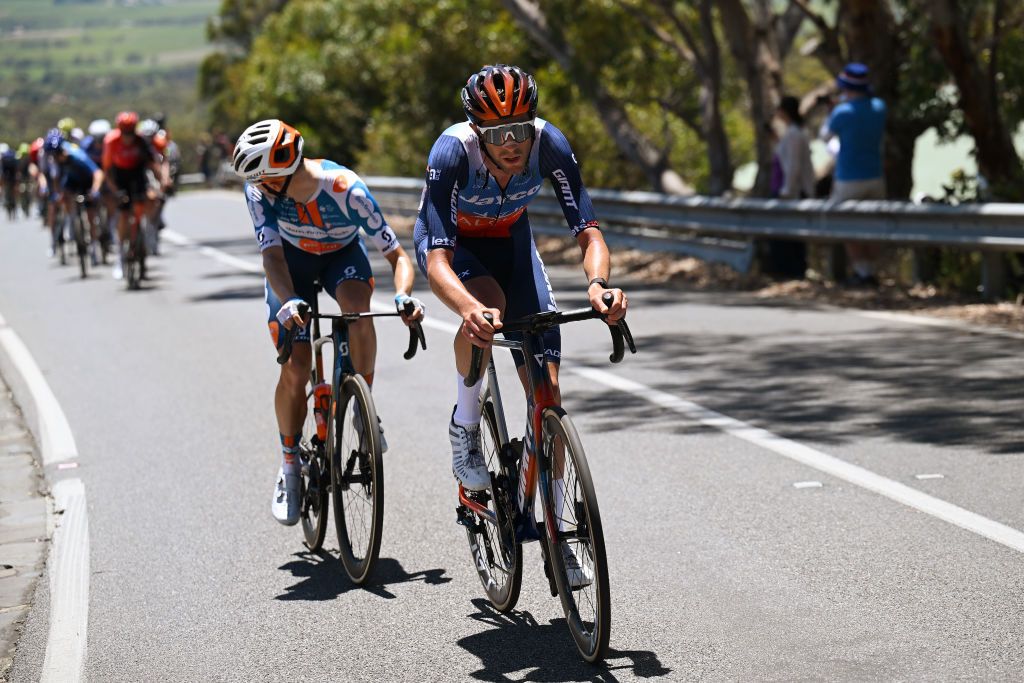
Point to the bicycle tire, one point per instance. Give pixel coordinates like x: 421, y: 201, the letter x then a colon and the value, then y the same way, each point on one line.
x: 81, y: 245
x: 502, y: 580
x: 129, y: 265
x: 315, y: 488
x: 587, y: 609
x: 357, y: 478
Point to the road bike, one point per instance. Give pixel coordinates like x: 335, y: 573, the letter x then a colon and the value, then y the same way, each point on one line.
x: 81, y: 229
x: 133, y: 249
x: 500, y: 519
x: 340, y: 448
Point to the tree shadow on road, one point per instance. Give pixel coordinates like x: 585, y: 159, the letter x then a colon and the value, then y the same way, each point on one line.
x: 928, y: 386
x: 545, y: 652
x: 323, y: 577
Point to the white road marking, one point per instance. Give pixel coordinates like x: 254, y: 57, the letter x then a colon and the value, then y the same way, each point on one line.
x: 216, y: 254
x: 931, y: 321
x: 807, y: 485
x: 57, y: 443
x: 853, y: 474
x: 64, y: 661
x: 929, y: 476
x: 805, y: 455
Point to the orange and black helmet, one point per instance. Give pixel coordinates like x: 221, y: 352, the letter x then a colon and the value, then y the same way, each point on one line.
x: 498, y: 92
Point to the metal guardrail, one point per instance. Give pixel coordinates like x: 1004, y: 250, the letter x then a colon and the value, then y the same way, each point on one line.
x: 722, y: 230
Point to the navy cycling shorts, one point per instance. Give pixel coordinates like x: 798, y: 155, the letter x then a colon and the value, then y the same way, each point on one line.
x: 351, y: 262
x: 514, y: 262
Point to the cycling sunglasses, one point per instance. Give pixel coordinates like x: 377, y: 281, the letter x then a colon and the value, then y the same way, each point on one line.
x: 519, y: 132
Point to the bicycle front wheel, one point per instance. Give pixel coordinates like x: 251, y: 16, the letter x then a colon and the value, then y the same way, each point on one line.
x: 315, y: 473
x: 357, y: 478
x: 497, y: 556
x: 574, y: 536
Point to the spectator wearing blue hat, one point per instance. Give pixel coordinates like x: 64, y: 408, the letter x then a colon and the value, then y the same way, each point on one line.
x: 859, y: 123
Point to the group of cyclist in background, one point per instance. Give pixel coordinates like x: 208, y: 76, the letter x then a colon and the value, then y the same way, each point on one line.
x: 101, y: 173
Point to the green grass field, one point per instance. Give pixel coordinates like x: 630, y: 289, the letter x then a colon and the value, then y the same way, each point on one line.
x: 45, y: 38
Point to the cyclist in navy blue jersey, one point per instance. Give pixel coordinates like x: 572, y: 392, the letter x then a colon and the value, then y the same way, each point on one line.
x: 473, y: 237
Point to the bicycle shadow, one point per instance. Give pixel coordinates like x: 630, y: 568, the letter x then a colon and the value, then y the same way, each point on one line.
x: 519, y: 646
x: 322, y: 577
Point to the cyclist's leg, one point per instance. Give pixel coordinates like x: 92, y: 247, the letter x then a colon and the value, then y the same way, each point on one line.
x: 290, y: 393
x: 530, y: 292
x: 347, y: 274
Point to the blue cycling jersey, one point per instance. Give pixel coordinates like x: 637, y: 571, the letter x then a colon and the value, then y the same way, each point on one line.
x: 329, y: 221
x: 77, y: 169
x: 93, y: 146
x: 462, y: 199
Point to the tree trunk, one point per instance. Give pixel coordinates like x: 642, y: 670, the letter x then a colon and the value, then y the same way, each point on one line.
x: 753, y: 47
x: 630, y: 141
x: 715, y: 137
x: 997, y: 158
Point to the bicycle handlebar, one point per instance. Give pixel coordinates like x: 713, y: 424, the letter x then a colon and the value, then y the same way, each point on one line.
x: 416, y: 336
x: 538, y: 322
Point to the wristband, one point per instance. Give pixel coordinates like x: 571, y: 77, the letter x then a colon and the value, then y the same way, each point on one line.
x: 599, y: 281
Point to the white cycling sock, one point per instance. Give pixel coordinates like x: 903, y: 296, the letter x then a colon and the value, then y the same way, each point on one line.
x: 467, y: 407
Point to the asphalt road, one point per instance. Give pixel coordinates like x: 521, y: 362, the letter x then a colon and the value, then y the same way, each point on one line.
x: 721, y: 568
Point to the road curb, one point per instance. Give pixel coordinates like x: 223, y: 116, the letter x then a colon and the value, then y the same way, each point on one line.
x: 24, y: 515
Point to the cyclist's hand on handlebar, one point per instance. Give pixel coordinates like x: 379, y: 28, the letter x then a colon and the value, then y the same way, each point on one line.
x: 614, y: 311
x: 289, y: 314
x: 401, y: 300
x: 477, y: 329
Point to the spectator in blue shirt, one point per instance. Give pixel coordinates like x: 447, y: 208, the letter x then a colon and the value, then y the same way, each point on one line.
x: 859, y: 124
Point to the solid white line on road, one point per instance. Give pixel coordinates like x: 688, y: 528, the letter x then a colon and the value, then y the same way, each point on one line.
x: 823, y: 462
x: 1000, y: 533
x: 57, y: 441
x: 69, y: 586
x: 69, y: 552
x: 180, y: 240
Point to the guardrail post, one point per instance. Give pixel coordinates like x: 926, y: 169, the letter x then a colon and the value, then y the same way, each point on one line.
x: 993, y: 275
x: 835, y: 262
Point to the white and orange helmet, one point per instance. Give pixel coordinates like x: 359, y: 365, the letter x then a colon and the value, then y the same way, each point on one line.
x: 267, y: 149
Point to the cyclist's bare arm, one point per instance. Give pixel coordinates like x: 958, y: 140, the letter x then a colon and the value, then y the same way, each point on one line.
x: 597, y: 264
x: 402, y: 268
x: 276, y: 269
x: 450, y: 290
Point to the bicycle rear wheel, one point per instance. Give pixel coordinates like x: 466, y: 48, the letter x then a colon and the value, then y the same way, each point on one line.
x: 315, y: 473
x: 81, y: 243
x: 575, y: 530
x: 357, y: 477
x: 497, y: 556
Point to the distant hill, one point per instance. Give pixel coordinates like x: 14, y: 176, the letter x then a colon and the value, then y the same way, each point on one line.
x: 91, y: 58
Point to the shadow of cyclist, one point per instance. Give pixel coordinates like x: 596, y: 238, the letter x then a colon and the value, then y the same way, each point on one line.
x: 544, y: 652
x: 323, y: 577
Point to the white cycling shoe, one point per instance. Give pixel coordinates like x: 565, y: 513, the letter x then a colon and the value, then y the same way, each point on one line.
x: 578, y: 575
x: 468, y: 464
x: 287, y: 498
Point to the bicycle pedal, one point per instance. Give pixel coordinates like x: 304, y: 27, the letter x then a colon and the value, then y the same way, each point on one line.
x: 463, y: 516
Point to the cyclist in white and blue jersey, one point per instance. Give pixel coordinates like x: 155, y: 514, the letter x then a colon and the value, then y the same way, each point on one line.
x: 473, y: 236
x: 307, y: 214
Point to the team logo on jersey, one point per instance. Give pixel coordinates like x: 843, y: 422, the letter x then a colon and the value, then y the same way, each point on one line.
x: 563, y: 183
x: 340, y: 184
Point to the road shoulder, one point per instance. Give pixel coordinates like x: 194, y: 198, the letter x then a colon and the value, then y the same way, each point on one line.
x: 24, y: 537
